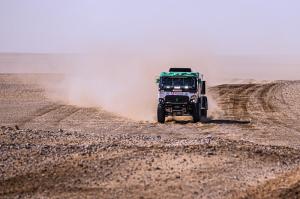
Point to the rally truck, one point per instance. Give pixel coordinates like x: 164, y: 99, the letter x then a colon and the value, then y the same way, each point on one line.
x: 181, y: 93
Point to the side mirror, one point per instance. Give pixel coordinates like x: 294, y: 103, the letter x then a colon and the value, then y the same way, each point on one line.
x: 203, y: 87
x: 157, y: 80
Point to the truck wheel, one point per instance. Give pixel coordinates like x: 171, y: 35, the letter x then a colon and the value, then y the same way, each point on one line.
x: 161, y: 114
x: 196, y: 112
x: 203, y: 116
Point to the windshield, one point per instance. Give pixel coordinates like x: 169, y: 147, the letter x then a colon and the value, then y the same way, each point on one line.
x: 171, y: 82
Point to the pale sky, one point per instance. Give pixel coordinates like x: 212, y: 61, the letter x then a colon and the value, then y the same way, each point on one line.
x: 224, y: 27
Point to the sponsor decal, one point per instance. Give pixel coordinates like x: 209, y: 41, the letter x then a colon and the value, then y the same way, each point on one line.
x: 177, y: 93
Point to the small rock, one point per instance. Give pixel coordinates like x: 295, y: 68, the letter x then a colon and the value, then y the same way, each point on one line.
x: 208, y: 139
x: 44, y: 150
x: 209, y: 136
x: 60, y: 130
x: 284, y: 163
x: 9, y: 128
x: 17, y: 127
x: 80, y: 164
x: 210, y: 153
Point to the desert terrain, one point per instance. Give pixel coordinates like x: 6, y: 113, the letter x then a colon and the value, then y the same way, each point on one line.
x: 249, y: 148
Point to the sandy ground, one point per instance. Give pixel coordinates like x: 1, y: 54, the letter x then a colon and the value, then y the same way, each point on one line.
x: 250, y: 148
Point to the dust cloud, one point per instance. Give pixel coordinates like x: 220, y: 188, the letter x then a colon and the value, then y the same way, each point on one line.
x: 120, y: 82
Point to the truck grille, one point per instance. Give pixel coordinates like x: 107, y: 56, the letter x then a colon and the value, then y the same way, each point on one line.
x: 177, y: 99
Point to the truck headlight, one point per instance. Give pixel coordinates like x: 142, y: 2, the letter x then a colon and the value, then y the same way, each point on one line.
x: 161, y: 100
x: 193, y: 98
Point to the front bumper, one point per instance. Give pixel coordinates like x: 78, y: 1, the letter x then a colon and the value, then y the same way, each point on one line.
x: 178, y: 109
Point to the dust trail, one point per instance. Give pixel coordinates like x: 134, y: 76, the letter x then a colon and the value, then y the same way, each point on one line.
x: 124, y: 87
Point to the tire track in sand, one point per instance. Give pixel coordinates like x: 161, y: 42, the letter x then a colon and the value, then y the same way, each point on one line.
x: 268, y: 105
x: 52, y: 114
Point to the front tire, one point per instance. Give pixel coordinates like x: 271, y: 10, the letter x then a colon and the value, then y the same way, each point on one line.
x: 161, y: 117
x: 196, y: 113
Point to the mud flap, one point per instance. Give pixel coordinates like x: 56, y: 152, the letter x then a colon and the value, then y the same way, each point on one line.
x: 203, y: 102
x: 203, y: 108
x: 203, y: 87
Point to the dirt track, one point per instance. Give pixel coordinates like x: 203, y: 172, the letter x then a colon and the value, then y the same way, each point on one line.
x: 250, y: 148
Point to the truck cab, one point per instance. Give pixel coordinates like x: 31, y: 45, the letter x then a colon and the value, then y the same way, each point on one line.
x: 181, y: 92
